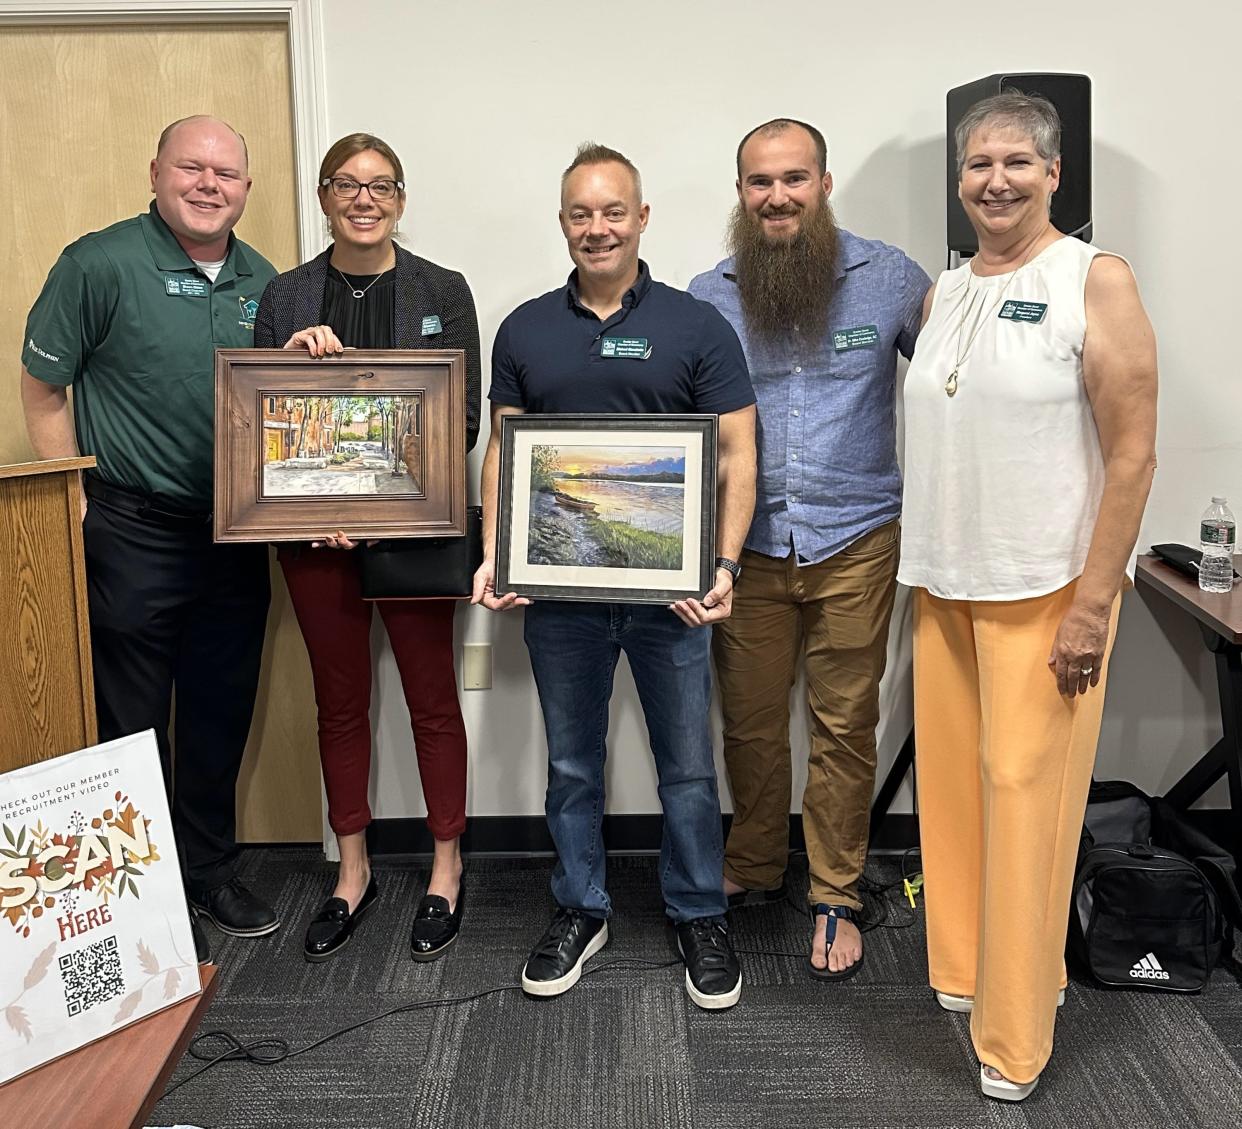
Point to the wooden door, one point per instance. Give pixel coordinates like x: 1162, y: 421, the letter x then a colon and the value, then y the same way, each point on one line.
x: 84, y: 106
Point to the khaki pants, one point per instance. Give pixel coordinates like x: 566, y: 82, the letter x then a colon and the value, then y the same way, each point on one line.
x: 1004, y: 763
x: 836, y: 614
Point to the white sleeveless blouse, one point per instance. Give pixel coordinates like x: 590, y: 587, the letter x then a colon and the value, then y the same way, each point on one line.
x: 1002, y: 480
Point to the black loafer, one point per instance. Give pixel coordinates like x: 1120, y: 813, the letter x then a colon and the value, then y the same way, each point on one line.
x: 331, y: 928
x: 435, y: 925
x: 233, y: 909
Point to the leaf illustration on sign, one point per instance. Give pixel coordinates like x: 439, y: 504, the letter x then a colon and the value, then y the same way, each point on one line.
x: 128, y: 1007
x: 16, y: 1018
x: 146, y: 958
x: 171, y: 983
x: 39, y: 969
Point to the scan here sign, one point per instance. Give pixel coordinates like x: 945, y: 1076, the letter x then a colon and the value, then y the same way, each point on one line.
x: 94, y: 932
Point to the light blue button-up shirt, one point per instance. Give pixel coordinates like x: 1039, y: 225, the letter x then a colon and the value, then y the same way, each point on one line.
x: 827, y: 433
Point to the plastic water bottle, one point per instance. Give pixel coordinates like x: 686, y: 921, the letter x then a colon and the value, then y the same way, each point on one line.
x: 1217, y: 531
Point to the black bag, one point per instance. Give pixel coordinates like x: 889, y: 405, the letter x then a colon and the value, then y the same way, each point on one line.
x: 424, y: 568
x: 1142, y: 914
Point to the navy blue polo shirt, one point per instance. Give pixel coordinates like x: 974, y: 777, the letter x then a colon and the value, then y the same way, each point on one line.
x: 661, y: 352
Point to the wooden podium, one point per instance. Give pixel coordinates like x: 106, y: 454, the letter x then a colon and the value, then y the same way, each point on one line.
x: 47, y: 692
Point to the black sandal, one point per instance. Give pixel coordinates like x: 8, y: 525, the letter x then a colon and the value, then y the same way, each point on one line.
x: 833, y: 913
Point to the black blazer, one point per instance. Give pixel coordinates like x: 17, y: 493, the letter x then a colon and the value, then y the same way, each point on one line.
x: 294, y: 300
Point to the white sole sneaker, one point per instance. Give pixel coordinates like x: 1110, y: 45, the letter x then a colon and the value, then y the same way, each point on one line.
x: 966, y: 1004
x: 1004, y: 1090
x: 564, y: 983
x: 709, y: 1002
x: 714, y: 1003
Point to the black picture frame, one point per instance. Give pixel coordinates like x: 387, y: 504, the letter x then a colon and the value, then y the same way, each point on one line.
x: 570, y: 483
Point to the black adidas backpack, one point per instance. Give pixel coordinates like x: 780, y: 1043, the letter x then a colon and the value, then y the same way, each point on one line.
x: 1148, y: 894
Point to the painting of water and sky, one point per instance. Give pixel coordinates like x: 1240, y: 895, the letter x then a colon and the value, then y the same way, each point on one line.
x: 613, y: 506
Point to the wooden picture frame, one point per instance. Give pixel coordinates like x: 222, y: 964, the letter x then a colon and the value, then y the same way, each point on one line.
x: 616, y: 508
x: 372, y: 442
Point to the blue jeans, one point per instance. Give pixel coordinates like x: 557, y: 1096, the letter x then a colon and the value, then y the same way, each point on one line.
x: 574, y: 650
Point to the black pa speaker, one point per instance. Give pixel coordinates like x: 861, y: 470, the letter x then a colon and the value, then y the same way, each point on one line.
x: 1071, y: 95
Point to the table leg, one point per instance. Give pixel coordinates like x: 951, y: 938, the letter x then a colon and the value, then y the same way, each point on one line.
x: 1229, y: 681
x: 1225, y: 757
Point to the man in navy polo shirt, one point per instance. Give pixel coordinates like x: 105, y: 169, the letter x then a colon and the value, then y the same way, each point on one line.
x: 557, y: 353
x: 822, y: 315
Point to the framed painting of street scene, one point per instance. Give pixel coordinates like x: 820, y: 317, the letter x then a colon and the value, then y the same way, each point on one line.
x: 610, y: 507
x: 369, y: 442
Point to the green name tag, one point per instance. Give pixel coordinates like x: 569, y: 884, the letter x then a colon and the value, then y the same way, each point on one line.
x: 431, y: 324
x: 856, y: 337
x: 630, y: 348
x: 1023, y: 311
x: 185, y: 285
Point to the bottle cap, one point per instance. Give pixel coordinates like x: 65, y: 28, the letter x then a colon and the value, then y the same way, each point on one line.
x: 1219, y: 501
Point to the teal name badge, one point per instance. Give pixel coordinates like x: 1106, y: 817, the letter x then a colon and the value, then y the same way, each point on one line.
x: 431, y: 324
x: 628, y: 348
x: 856, y: 337
x: 187, y: 286
x: 1032, y: 312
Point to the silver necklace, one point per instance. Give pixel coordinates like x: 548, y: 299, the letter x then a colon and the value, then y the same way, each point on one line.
x: 960, y: 354
x: 353, y: 288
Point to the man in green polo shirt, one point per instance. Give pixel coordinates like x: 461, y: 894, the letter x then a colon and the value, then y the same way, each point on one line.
x: 130, y: 317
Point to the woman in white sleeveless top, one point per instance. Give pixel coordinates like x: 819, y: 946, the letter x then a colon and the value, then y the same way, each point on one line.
x: 1030, y: 413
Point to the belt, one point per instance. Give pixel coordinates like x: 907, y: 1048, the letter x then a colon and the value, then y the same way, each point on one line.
x: 144, y: 506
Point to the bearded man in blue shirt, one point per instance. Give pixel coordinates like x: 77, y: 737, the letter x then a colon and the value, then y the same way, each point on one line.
x: 822, y: 315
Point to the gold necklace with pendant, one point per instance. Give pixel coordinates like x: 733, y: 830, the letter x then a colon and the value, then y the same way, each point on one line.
x: 950, y: 385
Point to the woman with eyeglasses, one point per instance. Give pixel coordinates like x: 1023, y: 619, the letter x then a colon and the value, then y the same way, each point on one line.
x: 367, y: 292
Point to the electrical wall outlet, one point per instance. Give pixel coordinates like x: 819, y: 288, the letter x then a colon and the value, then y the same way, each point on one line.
x: 476, y: 672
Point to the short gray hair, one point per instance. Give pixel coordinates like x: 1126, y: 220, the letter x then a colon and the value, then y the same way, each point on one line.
x: 1030, y: 114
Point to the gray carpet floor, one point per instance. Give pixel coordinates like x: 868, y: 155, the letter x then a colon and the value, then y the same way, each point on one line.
x: 626, y: 1049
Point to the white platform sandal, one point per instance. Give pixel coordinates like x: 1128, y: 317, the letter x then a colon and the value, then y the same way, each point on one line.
x: 966, y: 1004
x: 1004, y: 1090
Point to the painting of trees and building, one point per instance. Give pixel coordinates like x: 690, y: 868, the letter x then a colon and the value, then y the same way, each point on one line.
x: 317, y: 445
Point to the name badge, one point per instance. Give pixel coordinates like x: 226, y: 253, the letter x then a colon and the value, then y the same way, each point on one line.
x: 431, y: 324
x: 1032, y: 312
x: 856, y: 337
x: 626, y: 348
x: 185, y: 285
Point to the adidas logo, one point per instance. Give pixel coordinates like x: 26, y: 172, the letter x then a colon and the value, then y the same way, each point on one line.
x: 1148, y: 968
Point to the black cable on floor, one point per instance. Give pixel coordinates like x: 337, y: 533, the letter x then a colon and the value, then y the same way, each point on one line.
x: 268, y: 1052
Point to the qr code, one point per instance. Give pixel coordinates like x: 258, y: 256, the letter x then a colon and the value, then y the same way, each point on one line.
x: 92, y: 975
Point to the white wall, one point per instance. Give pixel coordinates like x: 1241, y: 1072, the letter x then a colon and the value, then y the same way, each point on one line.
x: 486, y: 102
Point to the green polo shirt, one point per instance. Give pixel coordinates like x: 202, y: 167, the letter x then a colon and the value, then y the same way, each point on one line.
x: 128, y: 319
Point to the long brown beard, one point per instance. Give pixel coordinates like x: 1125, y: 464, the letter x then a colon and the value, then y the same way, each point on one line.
x: 786, y: 286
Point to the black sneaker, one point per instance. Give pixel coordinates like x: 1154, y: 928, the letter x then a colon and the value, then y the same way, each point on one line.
x: 713, y: 976
x: 202, y: 950
x: 555, y: 964
x: 235, y: 910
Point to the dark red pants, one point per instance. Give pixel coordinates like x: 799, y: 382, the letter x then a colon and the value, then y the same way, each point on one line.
x: 336, y: 624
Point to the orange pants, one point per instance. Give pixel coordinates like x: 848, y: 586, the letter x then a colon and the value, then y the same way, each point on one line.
x: 1004, y: 763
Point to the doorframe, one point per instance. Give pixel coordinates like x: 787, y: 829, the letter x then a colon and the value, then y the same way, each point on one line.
x: 302, y: 18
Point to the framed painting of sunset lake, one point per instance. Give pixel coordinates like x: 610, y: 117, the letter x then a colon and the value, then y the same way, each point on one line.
x: 616, y: 508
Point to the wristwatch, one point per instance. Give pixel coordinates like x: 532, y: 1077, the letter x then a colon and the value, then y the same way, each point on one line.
x: 731, y: 567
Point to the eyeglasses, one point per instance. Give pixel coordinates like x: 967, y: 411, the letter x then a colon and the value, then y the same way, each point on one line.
x: 347, y: 188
